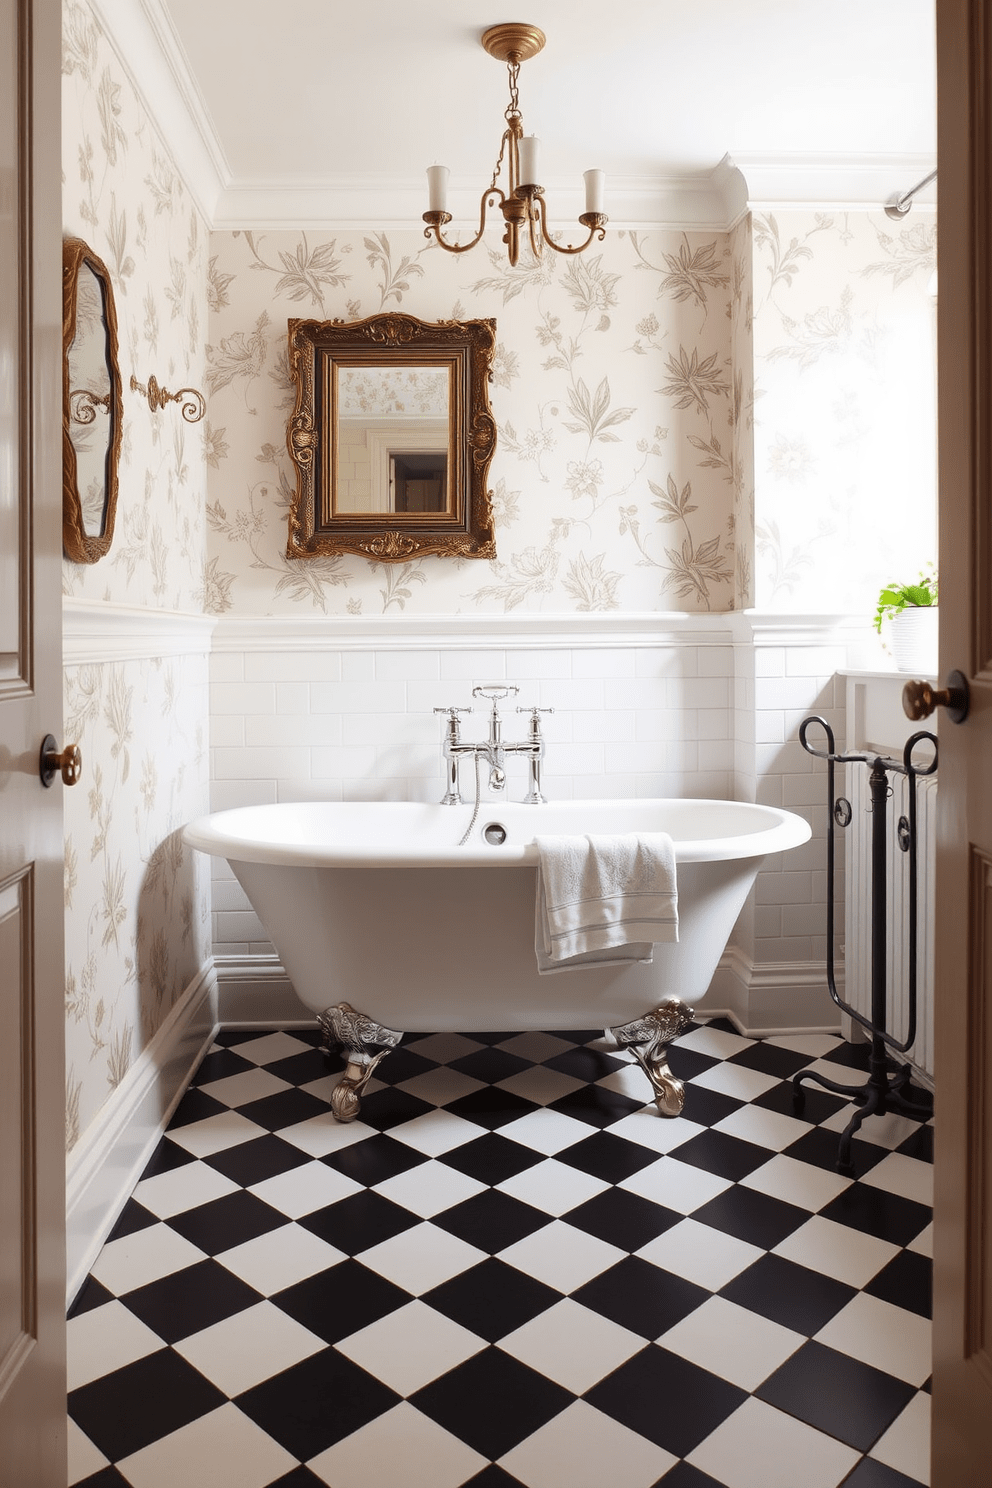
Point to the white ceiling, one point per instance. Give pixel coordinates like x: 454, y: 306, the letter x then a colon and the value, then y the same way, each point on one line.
x: 335, y: 109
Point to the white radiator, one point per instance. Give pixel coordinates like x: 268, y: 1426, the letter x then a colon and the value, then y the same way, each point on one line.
x: 857, y: 863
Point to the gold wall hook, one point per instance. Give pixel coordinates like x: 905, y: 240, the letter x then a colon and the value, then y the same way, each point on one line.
x: 193, y: 402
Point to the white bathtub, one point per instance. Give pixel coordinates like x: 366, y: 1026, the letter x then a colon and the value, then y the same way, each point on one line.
x: 375, y: 903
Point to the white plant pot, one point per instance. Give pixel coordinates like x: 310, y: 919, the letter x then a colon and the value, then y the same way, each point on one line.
x: 913, y: 639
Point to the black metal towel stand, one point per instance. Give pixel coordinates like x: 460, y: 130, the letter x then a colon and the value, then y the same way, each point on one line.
x: 885, y: 1088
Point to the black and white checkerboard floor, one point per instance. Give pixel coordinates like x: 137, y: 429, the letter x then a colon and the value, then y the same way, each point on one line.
x: 512, y: 1271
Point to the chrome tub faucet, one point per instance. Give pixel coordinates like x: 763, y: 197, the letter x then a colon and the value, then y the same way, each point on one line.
x: 493, y: 749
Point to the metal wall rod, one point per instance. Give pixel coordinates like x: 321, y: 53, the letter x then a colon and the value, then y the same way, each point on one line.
x: 898, y: 206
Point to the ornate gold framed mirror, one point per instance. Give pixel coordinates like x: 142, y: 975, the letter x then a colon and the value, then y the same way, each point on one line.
x: 391, y: 436
x: 92, y: 404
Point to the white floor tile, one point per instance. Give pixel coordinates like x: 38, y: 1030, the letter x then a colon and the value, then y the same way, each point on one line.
x: 798, y: 1183
x: 561, y: 1256
x: 303, y: 1190
x: 735, y: 1080
x: 583, y: 1448
x: 923, y: 1244
x: 836, y: 1250
x: 552, y: 1186
x: 435, y: 1132
x: 572, y: 1345
x: 144, y: 1256
x: 269, y: 1047
x: 251, y: 1346
x: 760, y: 1447
x: 319, y: 1135
x: 408, y: 1348
x: 402, y: 1447
x: 816, y: 1045
x: 429, y: 1188
x: 224, y: 1449
x: 182, y: 1188
x: 280, y: 1258
x: 105, y: 1338
x: 215, y: 1133
x: 536, y: 1046
x: 632, y: 1082
x: 729, y: 1341
x: 85, y: 1459
x: 715, y: 1042
x: 700, y: 1254
x: 441, y: 1085
x: 660, y: 1133
x: 421, y: 1258
x: 890, y: 1130
x: 888, y: 1337
x: 539, y: 1084
x: 249, y: 1085
x: 675, y: 1185
x: 905, y: 1447
x: 546, y: 1131
x: 764, y: 1128
x: 444, y: 1046
x: 906, y: 1176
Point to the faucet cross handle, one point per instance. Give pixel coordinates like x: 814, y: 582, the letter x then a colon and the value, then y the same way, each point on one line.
x: 534, y: 711
x: 452, y: 711
x: 495, y: 691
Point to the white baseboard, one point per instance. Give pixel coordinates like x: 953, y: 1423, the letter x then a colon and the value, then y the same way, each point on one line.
x: 107, y: 1161
x: 255, y: 992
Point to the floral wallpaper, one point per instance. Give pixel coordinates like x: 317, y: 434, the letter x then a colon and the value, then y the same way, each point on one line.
x: 136, y: 905
x: 616, y: 480
x: 845, y: 401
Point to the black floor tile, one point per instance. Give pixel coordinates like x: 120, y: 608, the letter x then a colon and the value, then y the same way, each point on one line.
x: 253, y: 1162
x: 641, y: 1297
x: 771, y: 1059
x: 608, y: 1157
x: 399, y: 1065
x: 167, y: 1156
x: 684, y: 1475
x: 487, y: 1036
x: 707, y: 1107
x: 91, y: 1294
x: 358, y: 1222
x: 124, y: 1411
x: 490, y: 1064
x: 589, y: 1064
x: 856, y: 1056
x: 719, y: 1153
x: 491, y: 1158
x: 597, y: 1105
x: 316, y: 1403
x: 191, y: 1299
x: 622, y: 1219
x: 107, y: 1477
x: 792, y: 1295
x: 490, y: 1107
x: 871, y: 1474
x: 390, y: 1107
x: 670, y: 1401
x: 303, y: 1068
x: 133, y: 1217
x: 285, y: 1108
x: 819, y: 1148
x: 220, y: 1065
x: 919, y: 1144
x: 226, y: 1222
x: 492, y: 1401
x: 817, y: 1104
x: 492, y: 1299
x: 374, y: 1160
x: 493, y: 1476
x: 875, y: 1212
x: 300, y: 1477
x: 686, y: 1064
x: 907, y: 1281
x: 338, y: 1302
x: 752, y: 1216
x: 195, y: 1105
x: 491, y: 1221
x: 837, y: 1394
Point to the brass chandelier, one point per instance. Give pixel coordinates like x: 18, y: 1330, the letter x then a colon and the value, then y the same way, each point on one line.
x: 523, y: 204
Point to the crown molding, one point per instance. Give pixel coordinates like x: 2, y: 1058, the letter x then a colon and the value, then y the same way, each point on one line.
x: 856, y: 182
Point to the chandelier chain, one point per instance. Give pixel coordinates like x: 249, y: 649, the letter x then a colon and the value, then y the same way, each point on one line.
x: 511, y: 112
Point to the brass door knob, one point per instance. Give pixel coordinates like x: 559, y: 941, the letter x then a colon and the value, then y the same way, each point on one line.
x: 919, y: 699
x: 68, y: 764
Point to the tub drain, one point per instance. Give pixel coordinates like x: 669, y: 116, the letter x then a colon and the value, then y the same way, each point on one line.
x: 495, y: 834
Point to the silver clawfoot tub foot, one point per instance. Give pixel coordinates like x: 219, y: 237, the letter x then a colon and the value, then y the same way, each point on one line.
x: 353, y: 1032
x: 648, y: 1039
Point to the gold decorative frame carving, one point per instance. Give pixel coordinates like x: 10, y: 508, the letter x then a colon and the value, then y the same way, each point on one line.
x: 316, y: 348
x: 79, y: 405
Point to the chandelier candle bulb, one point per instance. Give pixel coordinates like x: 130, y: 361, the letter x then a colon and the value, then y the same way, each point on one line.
x: 437, y: 188
x: 595, y: 193
x: 527, y: 150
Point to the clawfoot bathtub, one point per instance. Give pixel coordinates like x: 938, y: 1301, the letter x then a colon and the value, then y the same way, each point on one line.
x: 377, y: 903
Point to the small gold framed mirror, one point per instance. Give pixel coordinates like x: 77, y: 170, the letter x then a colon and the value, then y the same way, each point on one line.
x: 391, y: 436
x: 92, y: 404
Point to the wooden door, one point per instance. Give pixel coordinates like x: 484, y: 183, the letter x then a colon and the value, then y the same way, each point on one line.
x: 32, y: 1083
x: 962, y: 1386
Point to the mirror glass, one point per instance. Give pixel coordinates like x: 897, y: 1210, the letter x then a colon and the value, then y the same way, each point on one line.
x: 91, y: 404
x: 392, y: 436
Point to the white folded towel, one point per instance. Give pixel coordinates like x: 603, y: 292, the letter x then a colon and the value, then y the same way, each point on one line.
x: 604, y: 898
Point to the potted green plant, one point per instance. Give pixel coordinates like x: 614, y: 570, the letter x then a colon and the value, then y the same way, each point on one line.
x: 911, y: 613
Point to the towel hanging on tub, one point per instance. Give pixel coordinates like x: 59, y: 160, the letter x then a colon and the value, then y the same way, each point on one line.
x: 603, y: 898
